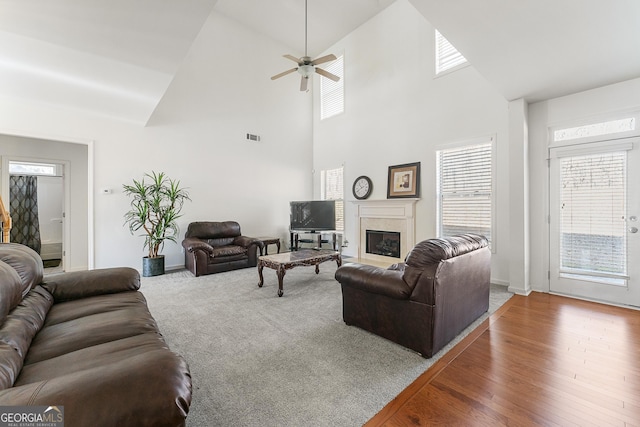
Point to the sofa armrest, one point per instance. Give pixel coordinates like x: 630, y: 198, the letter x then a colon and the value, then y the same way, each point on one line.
x: 374, y: 280
x: 246, y: 241
x: 82, y: 284
x: 192, y: 244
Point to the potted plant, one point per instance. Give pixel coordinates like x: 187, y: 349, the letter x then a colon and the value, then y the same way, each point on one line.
x: 155, y: 207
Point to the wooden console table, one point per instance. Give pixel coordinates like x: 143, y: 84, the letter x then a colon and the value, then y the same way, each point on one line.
x: 287, y: 260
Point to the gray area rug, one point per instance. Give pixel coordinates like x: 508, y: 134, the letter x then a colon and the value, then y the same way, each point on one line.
x: 260, y: 360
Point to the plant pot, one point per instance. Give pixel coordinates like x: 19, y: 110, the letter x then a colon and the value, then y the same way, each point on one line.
x: 152, y: 266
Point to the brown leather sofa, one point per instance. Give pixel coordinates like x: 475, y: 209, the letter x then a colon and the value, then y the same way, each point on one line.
x: 423, y: 303
x: 212, y: 247
x: 85, y: 341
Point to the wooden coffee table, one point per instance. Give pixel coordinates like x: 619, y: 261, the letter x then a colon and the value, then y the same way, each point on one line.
x: 287, y: 260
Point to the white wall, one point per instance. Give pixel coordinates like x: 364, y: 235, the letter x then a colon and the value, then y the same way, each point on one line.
x: 396, y: 112
x: 197, y: 135
x: 76, y: 155
x: 594, y: 103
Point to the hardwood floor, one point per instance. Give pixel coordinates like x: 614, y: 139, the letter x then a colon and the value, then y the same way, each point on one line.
x: 539, y: 360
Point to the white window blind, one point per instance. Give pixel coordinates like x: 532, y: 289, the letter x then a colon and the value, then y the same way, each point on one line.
x: 332, y: 93
x: 592, y: 204
x: 333, y: 189
x: 447, y: 56
x: 465, y: 190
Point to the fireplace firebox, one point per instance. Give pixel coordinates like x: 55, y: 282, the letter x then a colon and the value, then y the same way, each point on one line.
x: 385, y: 243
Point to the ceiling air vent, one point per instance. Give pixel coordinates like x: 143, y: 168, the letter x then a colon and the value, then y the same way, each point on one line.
x: 252, y: 137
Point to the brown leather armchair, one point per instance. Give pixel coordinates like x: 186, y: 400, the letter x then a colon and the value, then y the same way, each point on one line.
x: 212, y: 247
x: 423, y: 303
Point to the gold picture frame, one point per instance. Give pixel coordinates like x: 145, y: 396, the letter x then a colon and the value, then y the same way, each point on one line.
x: 404, y: 181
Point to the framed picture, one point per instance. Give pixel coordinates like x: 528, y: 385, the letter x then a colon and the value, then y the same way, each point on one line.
x: 404, y: 181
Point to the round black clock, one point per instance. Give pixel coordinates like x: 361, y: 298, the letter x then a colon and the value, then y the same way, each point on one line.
x: 362, y: 187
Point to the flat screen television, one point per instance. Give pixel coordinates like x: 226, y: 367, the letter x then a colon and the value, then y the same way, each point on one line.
x: 314, y: 215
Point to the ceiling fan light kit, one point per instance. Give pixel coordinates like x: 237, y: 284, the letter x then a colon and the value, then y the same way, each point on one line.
x: 306, y: 66
x: 306, y: 70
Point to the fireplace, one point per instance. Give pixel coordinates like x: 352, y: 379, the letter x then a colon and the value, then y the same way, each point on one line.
x: 384, y: 243
x: 390, y: 215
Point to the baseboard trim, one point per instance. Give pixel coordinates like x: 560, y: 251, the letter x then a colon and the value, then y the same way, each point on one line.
x: 500, y: 282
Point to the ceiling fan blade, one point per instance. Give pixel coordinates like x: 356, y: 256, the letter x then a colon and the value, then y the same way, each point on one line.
x: 293, y: 58
x: 323, y: 59
x: 284, y: 73
x: 303, y: 83
x: 327, y: 74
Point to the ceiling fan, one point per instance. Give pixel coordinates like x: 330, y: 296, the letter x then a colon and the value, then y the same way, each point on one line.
x: 306, y: 66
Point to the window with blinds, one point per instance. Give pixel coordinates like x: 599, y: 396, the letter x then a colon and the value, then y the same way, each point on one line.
x: 332, y: 188
x: 332, y: 93
x: 447, y: 56
x: 592, y: 212
x: 465, y: 190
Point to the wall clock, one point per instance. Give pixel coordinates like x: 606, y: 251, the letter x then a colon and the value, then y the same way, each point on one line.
x: 362, y: 187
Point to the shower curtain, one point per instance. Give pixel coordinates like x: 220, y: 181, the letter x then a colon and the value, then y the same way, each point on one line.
x: 23, y: 207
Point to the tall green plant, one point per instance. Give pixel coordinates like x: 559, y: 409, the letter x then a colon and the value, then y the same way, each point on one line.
x: 155, y: 207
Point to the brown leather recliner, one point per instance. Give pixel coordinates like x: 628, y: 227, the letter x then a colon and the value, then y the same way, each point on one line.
x: 423, y: 303
x: 212, y: 247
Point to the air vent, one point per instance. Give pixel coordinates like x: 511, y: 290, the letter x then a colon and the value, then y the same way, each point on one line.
x: 252, y: 137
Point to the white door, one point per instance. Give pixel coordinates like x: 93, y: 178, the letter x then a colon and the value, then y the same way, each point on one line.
x: 594, y: 211
x: 51, y: 218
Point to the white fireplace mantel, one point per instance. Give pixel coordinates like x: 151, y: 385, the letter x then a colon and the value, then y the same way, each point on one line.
x: 396, y: 215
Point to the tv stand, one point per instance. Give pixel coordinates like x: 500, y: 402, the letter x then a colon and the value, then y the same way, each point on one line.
x: 314, y: 237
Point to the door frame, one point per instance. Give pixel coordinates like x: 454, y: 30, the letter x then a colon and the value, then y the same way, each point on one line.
x: 66, y: 229
x: 90, y: 213
x: 617, y: 137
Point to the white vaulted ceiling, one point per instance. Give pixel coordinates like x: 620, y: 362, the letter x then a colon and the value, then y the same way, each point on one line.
x: 541, y: 49
x: 117, y: 57
x: 111, y: 57
x: 283, y: 20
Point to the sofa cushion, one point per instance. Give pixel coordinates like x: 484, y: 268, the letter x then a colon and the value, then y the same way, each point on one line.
x: 10, y: 290
x: 223, y: 241
x: 213, y: 230
x: 226, y: 251
x: 73, y: 325
x: 82, y: 284
x: 152, y: 388
x: 10, y: 365
x: 25, y: 261
x: 24, y: 322
x: 17, y: 332
x: 90, y: 357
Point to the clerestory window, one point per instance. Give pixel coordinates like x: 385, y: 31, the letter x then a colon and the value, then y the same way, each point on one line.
x: 447, y: 56
x: 332, y: 93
